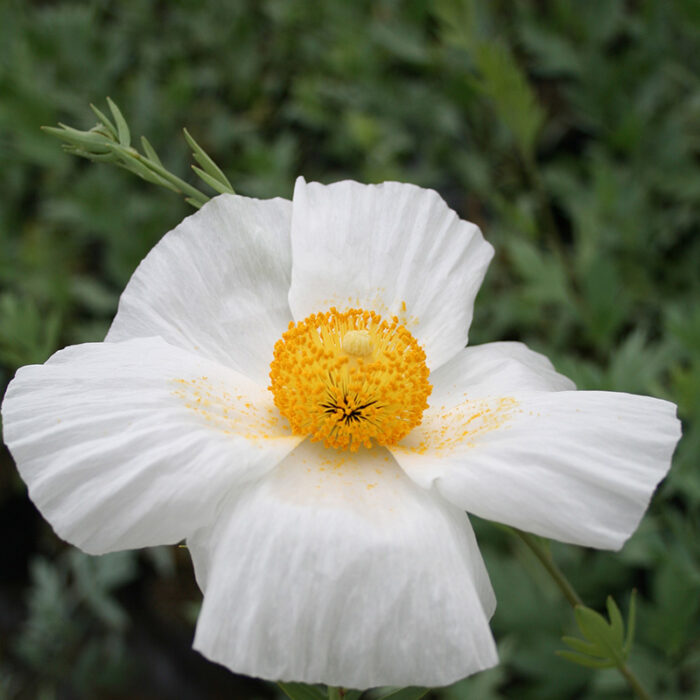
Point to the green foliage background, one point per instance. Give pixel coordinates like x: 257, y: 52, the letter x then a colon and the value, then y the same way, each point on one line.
x: 570, y: 131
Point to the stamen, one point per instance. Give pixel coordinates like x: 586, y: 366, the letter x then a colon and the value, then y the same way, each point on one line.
x: 350, y: 378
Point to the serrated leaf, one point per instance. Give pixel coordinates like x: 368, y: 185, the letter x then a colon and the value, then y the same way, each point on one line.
x: 150, y: 151
x: 410, y: 693
x: 499, y: 76
x: 123, y: 132
x: 301, y: 691
x: 503, y: 81
x: 212, y: 182
x: 208, y: 165
x: 583, y: 660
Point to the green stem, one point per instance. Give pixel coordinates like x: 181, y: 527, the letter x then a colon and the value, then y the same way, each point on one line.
x: 548, y: 562
x: 334, y: 693
x: 633, y: 682
x: 574, y: 599
x: 183, y: 186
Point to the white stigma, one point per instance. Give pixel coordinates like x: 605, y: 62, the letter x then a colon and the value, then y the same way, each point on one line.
x: 357, y: 343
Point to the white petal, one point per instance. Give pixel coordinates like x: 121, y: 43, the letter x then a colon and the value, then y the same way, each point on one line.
x: 216, y: 285
x: 337, y: 569
x: 494, y: 369
x: 394, y: 248
x: 133, y: 444
x: 577, y: 466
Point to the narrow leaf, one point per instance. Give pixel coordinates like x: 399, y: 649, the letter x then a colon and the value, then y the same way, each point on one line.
x: 213, y: 183
x: 301, y: 691
x: 194, y: 202
x: 583, y: 660
x: 95, y: 157
x: 122, y: 127
x: 150, y: 151
x: 83, y: 139
x: 105, y: 120
x: 209, y: 166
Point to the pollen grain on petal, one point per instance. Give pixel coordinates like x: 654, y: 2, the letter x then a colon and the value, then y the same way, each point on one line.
x: 227, y: 411
x: 463, y: 425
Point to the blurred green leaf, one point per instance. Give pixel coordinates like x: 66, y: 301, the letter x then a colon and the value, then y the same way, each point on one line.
x: 502, y: 80
x: 586, y: 660
x: 404, y: 694
x: 26, y: 335
x: 301, y: 691
x: 498, y: 75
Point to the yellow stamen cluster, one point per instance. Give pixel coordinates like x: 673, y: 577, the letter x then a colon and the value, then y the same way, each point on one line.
x: 350, y: 378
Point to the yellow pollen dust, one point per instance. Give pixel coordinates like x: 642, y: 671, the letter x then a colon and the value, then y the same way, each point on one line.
x: 350, y: 378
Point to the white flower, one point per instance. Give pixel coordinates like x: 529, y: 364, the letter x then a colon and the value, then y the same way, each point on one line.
x: 352, y: 567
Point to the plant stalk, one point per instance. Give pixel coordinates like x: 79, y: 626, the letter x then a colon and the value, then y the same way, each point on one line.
x: 552, y: 569
x: 574, y: 599
x: 633, y: 682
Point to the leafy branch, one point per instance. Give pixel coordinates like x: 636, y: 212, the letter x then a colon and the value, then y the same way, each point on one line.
x: 605, y: 644
x: 109, y: 141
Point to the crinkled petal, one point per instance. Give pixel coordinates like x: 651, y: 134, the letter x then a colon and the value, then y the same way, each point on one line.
x: 577, y: 466
x: 395, y: 248
x: 335, y: 568
x: 216, y: 285
x: 494, y: 369
x: 133, y: 444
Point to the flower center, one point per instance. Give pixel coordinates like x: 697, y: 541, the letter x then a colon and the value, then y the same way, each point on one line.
x: 350, y: 378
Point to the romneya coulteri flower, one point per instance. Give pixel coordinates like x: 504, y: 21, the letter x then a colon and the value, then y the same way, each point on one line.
x: 286, y: 387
